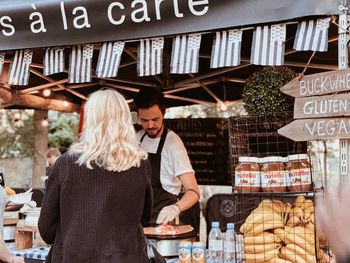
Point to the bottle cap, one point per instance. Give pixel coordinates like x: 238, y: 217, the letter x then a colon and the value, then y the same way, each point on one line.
x: 230, y: 226
x: 215, y: 224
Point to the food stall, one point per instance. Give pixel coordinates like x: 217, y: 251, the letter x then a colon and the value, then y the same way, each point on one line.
x: 196, y: 51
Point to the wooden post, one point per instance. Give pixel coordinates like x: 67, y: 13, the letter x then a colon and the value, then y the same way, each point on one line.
x: 343, y: 64
x: 40, y: 148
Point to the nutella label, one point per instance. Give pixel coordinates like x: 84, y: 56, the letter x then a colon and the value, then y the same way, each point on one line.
x: 247, y: 178
x: 273, y: 179
x: 299, y: 177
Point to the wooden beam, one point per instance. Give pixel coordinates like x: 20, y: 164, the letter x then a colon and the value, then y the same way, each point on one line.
x: 139, y: 83
x: 208, y: 90
x: 59, y: 85
x: 302, y: 65
x: 122, y: 87
x: 207, y: 75
x: 127, y: 64
x: 36, y: 102
x: 169, y: 96
x: 236, y: 80
x: 190, y: 86
x: 44, y: 86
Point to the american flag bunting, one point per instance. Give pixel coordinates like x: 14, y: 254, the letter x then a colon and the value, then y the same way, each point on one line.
x: 268, y: 45
x: 109, y: 59
x: 80, y: 63
x: 150, y: 56
x: 312, y: 35
x: 53, y: 60
x: 185, y: 54
x: 19, y: 69
x: 226, y: 51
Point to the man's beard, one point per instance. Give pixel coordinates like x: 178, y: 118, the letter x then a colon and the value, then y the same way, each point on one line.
x: 153, y: 135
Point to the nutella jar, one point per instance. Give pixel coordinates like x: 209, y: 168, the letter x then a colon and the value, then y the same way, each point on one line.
x: 273, y: 175
x: 299, y: 173
x: 247, y: 175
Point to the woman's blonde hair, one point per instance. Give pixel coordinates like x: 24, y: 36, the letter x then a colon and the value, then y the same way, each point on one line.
x: 108, y: 137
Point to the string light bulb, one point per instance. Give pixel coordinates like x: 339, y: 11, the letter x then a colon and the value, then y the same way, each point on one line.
x: 65, y: 103
x: 221, y: 106
x: 17, y: 116
x: 45, y: 122
x: 46, y: 92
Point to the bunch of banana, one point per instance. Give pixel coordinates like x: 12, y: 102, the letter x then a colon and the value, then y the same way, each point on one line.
x: 278, y: 232
x: 268, y: 215
x: 262, y: 247
x: 301, y: 213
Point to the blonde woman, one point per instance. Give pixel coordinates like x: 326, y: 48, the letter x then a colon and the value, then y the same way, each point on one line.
x: 99, y: 191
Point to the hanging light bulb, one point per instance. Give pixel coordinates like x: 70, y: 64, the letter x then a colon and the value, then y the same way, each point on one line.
x: 65, y: 103
x: 45, y: 122
x: 46, y: 92
x: 221, y: 106
x: 17, y: 116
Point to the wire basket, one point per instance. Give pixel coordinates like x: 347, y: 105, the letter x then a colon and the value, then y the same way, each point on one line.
x: 271, y: 227
x: 257, y: 136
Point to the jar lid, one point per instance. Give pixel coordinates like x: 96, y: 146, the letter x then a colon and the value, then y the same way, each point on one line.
x: 284, y: 159
x: 261, y: 160
x: 296, y: 157
x: 248, y: 159
x: 273, y: 159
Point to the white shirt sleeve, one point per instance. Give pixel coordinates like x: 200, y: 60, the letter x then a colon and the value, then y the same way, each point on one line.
x: 179, y: 161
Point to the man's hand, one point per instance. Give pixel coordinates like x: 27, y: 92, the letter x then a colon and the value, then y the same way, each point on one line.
x: 168, y: 214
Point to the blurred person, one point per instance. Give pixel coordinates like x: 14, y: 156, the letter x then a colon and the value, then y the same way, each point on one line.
x: 332, y: 217
x: 52, y: 155
x: 5, y: 255
x: 171, y: 166
x: 99, y: 192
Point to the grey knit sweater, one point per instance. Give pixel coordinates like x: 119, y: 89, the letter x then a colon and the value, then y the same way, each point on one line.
x: 93, y: 215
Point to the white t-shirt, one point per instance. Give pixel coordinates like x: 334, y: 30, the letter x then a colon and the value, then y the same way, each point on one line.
x: 174, y: 161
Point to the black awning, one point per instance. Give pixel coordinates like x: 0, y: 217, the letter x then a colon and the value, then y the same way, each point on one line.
x: 44, y: 23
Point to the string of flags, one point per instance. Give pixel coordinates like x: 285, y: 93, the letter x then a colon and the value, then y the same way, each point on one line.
x: 268, y: 48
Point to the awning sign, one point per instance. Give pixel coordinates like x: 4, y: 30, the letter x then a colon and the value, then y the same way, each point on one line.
x: 30, y: 23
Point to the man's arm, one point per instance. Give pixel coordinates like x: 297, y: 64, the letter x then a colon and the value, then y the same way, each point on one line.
x: 192, y: 193
x: 191, y: 196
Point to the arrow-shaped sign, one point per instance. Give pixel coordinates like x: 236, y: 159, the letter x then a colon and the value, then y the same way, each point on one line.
x: 317, y: 129
x: 334, y: 105
x: 318, y: 84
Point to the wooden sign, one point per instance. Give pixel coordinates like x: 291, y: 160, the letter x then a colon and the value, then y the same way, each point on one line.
x: 317, y: 129
x: 318, y: 84
x: 334, y: 105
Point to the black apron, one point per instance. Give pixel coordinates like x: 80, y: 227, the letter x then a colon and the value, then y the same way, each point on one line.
x: 161, y: 198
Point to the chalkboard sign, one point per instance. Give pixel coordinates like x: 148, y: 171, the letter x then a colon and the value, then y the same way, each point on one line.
x: 206, y: 141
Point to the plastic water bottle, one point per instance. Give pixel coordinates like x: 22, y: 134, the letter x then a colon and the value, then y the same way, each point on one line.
x: 230, y: 244
x: 215, y: 244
